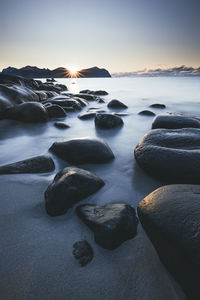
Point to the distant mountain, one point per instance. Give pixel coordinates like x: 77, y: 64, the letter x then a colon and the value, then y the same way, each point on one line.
x: 34, y: 72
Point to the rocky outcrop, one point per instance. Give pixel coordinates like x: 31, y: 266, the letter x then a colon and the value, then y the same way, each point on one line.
x: 38, y: 164
x: 108, y: 121
x: 172, y: 155
x: 68, y: 187
x: 171, y: 218
x: 83, y: 150
x: 112, y: 224
x: 83, y: 252
x: 116, y: 104
x: 173, y: 121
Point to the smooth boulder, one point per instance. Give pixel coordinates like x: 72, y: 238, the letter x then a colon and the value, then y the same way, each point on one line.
x: 158, y: 105
x: 116, y: 104
x: 61, y: 125
x: 38, y: 164
x: 87, y: 116
x: 68, y: 187
x: 175, y: 121
x: 83, y: 252
x: 83, y: 150
x: 112, y: 224
x: 107, y: 121
x: 146, y: 113
x: 172, y: 155
x: 55, y: 111
x: 171, y: 218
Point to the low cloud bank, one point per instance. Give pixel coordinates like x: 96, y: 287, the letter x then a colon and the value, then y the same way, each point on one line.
x: 176, y: 71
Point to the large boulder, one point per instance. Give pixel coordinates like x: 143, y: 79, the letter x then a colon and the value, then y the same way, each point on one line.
x: 27, y: 112
x: 112, y: 224
x: 171, y: 218
x: 68, y: 187
x: 83, y: 150
x: 107, y: 121
x: 117, y: 104
x: 175, y: 121
x: 172, y: 155
x: 38, y: 164
x: 55, y: 111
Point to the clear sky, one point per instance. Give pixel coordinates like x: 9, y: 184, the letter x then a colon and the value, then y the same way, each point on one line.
x: 120, y: 35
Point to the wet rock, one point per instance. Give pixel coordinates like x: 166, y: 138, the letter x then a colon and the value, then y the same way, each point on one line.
x: 82, y: 102
x: 68, y: 187
x: 146, y: 113
x: 61, y: 125
x: 86, y: 97
x: 38, y: 164
x: 116, y: 104
x: 87, y: 116
x: 97, y: 93
x: 171, y: 218
x: 27, y: 112
x: 107, y: 121
x: 83, y: 252
x: 69, y: 109
x: 100, y: 100
x: 172, y: 155
x: 175, y: 122
x: 83, y: 150
x: 158, y: 105
x: 56, y: 111
x: 112, y: 224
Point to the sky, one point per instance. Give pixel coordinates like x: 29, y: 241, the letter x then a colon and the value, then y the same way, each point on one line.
x: 119, y: 35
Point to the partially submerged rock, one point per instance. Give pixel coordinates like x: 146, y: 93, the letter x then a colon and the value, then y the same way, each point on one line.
x: 55, y: 111
x: 27, y: 112
x: 98, y: 93
x: 38, y: 164
x: 112, y: 224
x: 83, y: 150
x: 107, y: 121
x: 173, y: 155
x: 146, y: 113
x: 86, y: 97
x: 87, y: 116
x: 61, y: 125
x: 68, y: 187
x: 158, y: 105
x: 171, y: 218
x: 116, y: 104
x: 173, y: 121
x: 83, y: 252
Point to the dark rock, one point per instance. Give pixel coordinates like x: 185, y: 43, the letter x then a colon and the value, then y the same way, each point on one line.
x: 61, y: 125
x: 82, y: 102
x: 87, y: 116
x: 175, y: 122
x: 27, y: 112
x: 112, y: 224
x: 100, y: 100
x: 173, y: 155
x: 146, y: 113
x: 38, y: 164
x: 56, y: 111
x: 171, y: 218
x: 68, y: 187
x: 158, y: 105
x: 69, y: 109
x: 107, y: 121
x: 97, y: 93
x: 83, y: 150
x: 86, y: 97
x: 116, y: 104
x: 83, y: 252
x: 50, y: 80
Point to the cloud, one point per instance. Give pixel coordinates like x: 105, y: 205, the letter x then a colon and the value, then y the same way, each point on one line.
x: 176, y: 71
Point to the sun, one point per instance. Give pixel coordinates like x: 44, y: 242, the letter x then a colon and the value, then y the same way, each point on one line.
x: 73, y: 71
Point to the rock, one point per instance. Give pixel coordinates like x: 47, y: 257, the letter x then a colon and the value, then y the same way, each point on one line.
x: 175, y: 121
x: 172, y: 155
x: 87, y: 116
x: 69, y: 109
x: 83, y: 150
x: 86, y: 97
x: 82, y: 102
x: 50, y: 80
x: 107, y: 121
x: 100, y: 100
x: 97, y: 93
x: 38, y: 164
x: 146, y: 113
x: 158, y: 105
x: 116, y: 104
x: 27, y: 112
x: 56, y: 111
x: 112, y: 224
x: 171, y: 218
x: 83, y: 252
x: 61, y: 125
x: 68, y: 187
